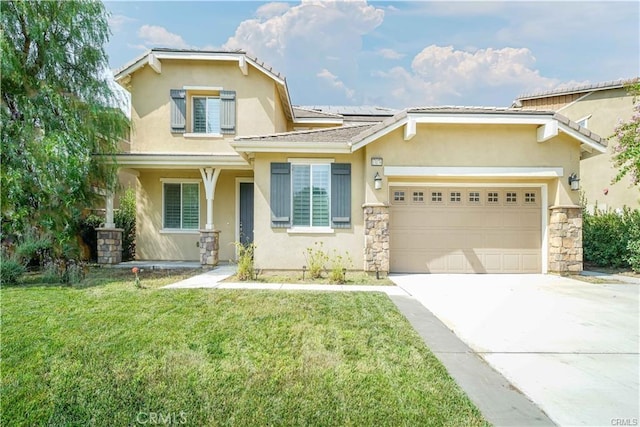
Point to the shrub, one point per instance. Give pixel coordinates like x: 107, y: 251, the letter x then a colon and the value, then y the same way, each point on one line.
x: 316, y: 260
x: 125, y: 218
x: 610, y: 239
x: 68, y: 272
x: 245, y: 268
x: 339, y: 265
x: 11, y: 271
x: 33, y: 248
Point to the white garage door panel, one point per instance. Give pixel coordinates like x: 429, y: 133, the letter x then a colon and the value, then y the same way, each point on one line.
x: 493, y: 230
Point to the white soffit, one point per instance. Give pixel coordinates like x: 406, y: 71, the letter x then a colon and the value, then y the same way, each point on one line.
x: 473, y: 172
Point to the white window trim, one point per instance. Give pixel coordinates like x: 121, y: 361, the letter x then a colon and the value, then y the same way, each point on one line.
x: 304, y: 228
x: 164, y: 230
x: 193, y: 117
x: 202, y: 135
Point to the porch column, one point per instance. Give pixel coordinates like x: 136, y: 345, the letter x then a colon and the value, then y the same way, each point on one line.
x: 376, y: 237
x: 210, y: 177
x: 109, y: 222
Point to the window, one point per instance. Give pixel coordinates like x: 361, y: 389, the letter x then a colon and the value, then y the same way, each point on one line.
x: 212, y: 113
x: 474, y: 197
x: 310, y: 195
x: 492, y: 197
x: 455, y: 196
x: 418, y: 196
x: 529, y: 197
x: 436, y: 196
x: 206, y: 114
x: 511, y: 197
x: 311, y: 192
x: 181, y: 210
x: 398, y: 196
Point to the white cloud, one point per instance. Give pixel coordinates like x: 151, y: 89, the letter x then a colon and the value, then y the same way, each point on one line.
x: 117, y: 22
x: 390, y: 53
x: 157, y: 36
x: 440, y: 73
x: 270, y: 10
x: 334, y: 81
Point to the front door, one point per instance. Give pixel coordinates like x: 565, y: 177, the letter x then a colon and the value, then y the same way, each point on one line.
x: 246, y: 213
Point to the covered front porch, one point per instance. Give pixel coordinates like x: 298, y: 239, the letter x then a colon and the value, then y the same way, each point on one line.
x: 189, y: 208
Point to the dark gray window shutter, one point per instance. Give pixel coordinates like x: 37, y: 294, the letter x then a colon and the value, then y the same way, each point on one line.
x: 280, y: 195
x: 228, y: 111
x: 178, y: 110
x: 341, y: 195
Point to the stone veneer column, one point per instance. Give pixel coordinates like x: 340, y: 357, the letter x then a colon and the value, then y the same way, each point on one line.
x: 109, y: 245
x: 376, y: 237
x: 565, y: 239
x: 209, y: 247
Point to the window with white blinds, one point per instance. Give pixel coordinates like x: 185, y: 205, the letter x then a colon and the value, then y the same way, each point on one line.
x: 311, y: 195
x: 181, y: 206
x: 206, y: 114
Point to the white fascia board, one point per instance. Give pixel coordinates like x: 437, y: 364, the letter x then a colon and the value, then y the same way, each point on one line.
x: 481, y: 119
x: 154, y: 63
x: 265, y: 71
x: 142, y: 161
x: 131, y: 68
x: 199, y: 56
x: 548, y: 130
x: 242, y: 63
x: 409, y: 129
x: 292, y: 147
x: 582, y: 138
x: 474, y: 172
x: 376, y: 135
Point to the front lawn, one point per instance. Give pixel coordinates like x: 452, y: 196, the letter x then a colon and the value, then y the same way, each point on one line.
x: 106, y: 353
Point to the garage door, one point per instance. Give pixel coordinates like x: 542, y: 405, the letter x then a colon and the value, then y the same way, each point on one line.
x: 465, y: 230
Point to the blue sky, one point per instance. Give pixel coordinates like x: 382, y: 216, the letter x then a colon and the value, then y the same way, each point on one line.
x: 400, y: 53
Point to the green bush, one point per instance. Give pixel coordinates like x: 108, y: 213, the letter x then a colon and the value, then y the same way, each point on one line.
x: 316, y: 260
x: 245, y: 270
x: 339, y: 266
x: 11, y: 271
x: 87, y: 230
x: 611, y: 239
x: 33, y: 248
x: 125, y: 218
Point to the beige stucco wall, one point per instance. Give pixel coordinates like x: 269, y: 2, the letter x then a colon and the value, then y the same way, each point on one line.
x: 154, y: 244
x: 277, y: 248
x: 256, y: 105
x: 475, y: 146
x: 606, y: 109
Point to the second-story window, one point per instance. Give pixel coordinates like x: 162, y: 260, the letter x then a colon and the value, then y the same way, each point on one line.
x: 206, y: 114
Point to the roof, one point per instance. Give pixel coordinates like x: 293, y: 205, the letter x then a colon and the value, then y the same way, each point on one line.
x: 612, y: 84
x: 352, y: 110
x: 356, y: 136
x: 305, y: 113
x: 153, y: 56
x: 337, y: 134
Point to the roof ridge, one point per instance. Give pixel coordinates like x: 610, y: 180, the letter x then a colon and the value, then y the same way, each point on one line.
x: 609, y: 84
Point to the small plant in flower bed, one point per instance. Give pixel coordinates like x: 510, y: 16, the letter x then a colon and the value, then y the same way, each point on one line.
x: 316, y: 260
x: 136, y: 277
x: 245, y: 270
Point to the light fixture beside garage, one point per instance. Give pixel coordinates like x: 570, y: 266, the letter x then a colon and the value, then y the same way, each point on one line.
x: 376, y: 161
x: 377, y: 181
x: 574, y: 182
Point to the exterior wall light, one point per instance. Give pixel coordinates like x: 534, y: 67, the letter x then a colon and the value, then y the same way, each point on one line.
x: 574, y: 182
x: 377, y: 181
x: 376, y: 161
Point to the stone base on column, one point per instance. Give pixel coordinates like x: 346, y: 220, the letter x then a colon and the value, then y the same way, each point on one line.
x: 376, y: 238
x: 209, y: 247
x: 565, y: 240
x: 109, y: 245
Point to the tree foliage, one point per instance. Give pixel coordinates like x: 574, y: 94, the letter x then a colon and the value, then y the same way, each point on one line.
x: 627, y: 135
x: 58, y: 112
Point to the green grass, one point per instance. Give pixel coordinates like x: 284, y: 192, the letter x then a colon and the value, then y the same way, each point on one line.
x: 106, y: 353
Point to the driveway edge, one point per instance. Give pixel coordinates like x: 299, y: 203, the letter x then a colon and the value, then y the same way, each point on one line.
x: 499, y: 401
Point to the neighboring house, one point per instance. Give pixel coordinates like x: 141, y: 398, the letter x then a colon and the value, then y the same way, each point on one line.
x: 218, y: 159
x: 599, y: 108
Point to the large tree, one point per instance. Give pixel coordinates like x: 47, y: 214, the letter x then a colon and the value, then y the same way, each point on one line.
x: 627, y: 136
x: 59, y: 113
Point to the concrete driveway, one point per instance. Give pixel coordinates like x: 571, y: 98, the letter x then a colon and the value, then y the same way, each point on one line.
x: 570, y: 346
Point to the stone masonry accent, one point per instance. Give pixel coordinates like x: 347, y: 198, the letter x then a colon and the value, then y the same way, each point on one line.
x: 565, y: 239
x: 376, y: 238
x: 209, y: 247
x: 109, y: 245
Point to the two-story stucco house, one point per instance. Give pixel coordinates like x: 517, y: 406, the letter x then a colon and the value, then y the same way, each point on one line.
x: 600, y: 108
x: 221, y: 156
